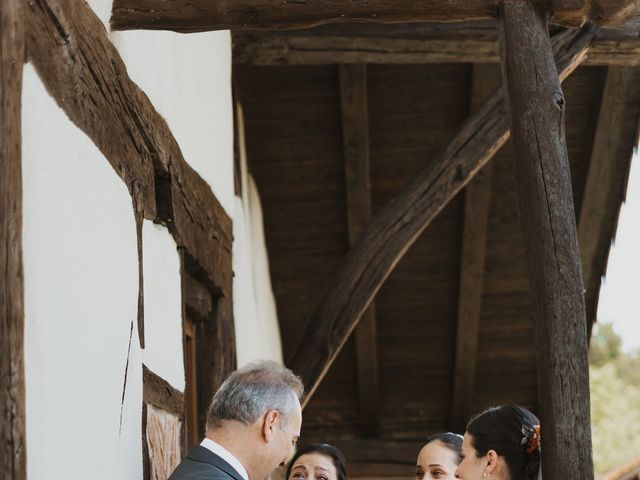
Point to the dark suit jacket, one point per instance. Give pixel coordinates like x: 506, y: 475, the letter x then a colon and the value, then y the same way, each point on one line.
x: 202, y: 464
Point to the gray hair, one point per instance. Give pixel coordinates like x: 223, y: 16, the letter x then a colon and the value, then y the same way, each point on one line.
x: 251, y: 391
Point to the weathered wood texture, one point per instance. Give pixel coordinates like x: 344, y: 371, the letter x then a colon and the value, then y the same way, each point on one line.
x: 393, y: 231
x: 355, y: 138
x: 209, y: 341
x: 86, y: 76
x: 486, y: 79
x: 215, y: 354
x: 467, y: 42
x: 303, y: 198
x: 603, y: 187
x: 163, y: 431
x: 158, y: 392
x: 12, y: 388
x: 545, y: 203
x: 84, y: 73
x: 202, y: 15
x: 377, y: 459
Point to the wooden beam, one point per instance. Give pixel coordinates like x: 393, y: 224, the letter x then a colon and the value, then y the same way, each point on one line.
x: 159, y: 393
x: 201, y: 15
x: 12, y: 387
x: 477, y: 196
x: 358, y: 450
x: 209, y: 343
x: 545, y: 203
x: 603, y: 187
x: 85, y: 74
x: 418, y: 43
x: 396, y: 227
x: 355, y: 136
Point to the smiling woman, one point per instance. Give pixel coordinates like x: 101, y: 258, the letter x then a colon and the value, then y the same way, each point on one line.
x: 318, y: 461
x: 439, y: 457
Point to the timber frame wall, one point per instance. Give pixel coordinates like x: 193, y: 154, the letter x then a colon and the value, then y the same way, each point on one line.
x: 83, y: 72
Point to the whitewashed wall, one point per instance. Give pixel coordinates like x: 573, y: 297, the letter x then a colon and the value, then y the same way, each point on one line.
x: 254, y: 306
x: 81, y: 266
x: 81, y: 289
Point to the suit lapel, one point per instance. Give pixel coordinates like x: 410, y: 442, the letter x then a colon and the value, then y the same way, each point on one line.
x: 199, y: 453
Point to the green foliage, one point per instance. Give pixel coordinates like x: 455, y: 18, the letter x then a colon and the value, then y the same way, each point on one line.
x: 615, y: 400
x: 606, y: 345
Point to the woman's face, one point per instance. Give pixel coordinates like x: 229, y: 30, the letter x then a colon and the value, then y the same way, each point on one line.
x: 313, y: 466
x: 472, y: 467
x: 435, y: 460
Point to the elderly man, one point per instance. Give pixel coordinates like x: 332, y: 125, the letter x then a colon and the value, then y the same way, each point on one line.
x: 253, y: 424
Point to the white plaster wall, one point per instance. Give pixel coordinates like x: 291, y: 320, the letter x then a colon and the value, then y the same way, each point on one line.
x: 81, y: 287
x: 162, y: 305
x: 81, y: 279
x: 254, y: 307
x: 187, y: 77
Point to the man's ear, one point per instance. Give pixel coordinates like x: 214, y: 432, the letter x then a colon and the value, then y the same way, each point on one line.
x: 269, y: 422
x: 492, y: 462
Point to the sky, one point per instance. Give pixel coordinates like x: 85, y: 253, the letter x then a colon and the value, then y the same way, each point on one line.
x: 620, y: 294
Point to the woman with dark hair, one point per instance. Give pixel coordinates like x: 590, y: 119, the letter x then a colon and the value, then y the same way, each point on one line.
x: 319, y: 461
x: 503, y: 443
x: 439, y: 457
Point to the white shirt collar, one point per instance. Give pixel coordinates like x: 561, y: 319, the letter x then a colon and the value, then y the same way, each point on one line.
x: 226, y: 455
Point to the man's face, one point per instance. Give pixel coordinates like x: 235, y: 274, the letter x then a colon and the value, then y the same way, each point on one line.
x: 286, y: 435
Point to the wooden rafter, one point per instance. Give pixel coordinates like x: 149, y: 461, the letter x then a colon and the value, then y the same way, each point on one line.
x: 486, y: 79
x: 355, y: 128
x: 201, y: 15
x: 395, y: 228
x: 601, y: 188
x: 545, y: 204
x: 12, y: 386
x: 86, y: 76
x: 418, y: 43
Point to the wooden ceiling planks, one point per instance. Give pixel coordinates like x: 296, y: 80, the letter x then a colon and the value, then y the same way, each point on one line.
x: 295, y: 151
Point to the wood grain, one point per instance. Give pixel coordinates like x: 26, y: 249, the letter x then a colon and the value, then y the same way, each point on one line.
x: 158, y: 392
x: 201, y: 15
x: 602, y: 183
x: 394, y: 229
x: 355, y: 138
x: 12, y: 382
x: 486, y: 79
x: 415, y: 43
x: 86, y: 76
x: 545, y: 202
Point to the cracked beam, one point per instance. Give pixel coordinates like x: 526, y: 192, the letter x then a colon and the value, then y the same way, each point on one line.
x: 545, y: 203
x: 392, y: 232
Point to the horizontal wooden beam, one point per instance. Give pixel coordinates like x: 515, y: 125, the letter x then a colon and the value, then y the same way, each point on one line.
x: 358, y: 450
x: 159, y: 393
x: 201, y: 15
x: 467, y: 42
x: 396, y: 227
x: 85, y: 74
x: 13, y: 445
x: 604, y: 187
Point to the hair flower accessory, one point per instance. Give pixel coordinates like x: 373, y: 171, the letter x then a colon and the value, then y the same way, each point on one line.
x: 531, y: 438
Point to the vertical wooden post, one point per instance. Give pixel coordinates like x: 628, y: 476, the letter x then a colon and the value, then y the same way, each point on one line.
x: 477, y: 199
x: 545, y: 203
x: 12, y: 396
x: 355, y: 135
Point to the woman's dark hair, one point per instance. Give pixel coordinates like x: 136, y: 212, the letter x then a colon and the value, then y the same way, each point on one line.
x: 324, y: 449
x: 452, y: 441
x: 510, y: 431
